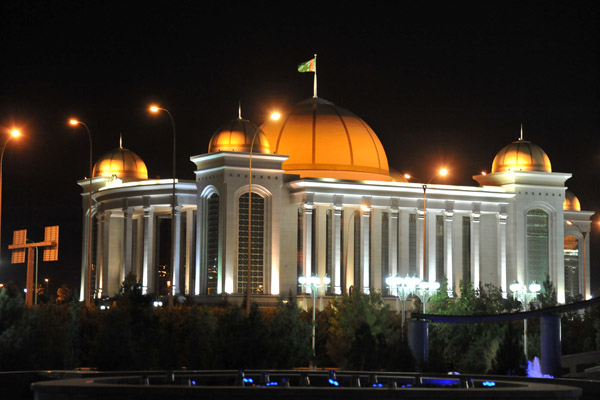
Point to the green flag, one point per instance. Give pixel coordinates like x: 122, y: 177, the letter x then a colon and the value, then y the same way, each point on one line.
x: 309, y: 66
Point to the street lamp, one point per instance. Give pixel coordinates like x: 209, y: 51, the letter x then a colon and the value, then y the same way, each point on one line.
x: 14, y: 133
x: 402, y: 287
x: 425, y: 291
x: 155, y: 110
x: 584, y: 234
x: 442, y: 172
x: 88, y: 285
x: 521, y: 294
x: 314, y: 284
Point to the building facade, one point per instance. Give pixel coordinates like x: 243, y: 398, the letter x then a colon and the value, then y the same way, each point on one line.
x: 312, y: 193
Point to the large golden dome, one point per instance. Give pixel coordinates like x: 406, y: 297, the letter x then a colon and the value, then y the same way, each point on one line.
x: 521, y: 155
x: 237, y: 135
x: 123, y: 163
x: 325, y: 141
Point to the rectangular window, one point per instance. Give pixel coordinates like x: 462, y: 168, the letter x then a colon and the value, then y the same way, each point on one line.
x: 537, y: 246
x: 466, y: 249
x: 385, y: 255
x: 439, y: 248
x: 412, y: 244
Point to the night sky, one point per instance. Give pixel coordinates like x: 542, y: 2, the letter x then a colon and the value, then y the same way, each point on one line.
x: 440, y: 86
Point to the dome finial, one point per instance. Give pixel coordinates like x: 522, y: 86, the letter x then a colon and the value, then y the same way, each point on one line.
x: 521, y: 139
x: 121, y: 140
x: 239, y: 109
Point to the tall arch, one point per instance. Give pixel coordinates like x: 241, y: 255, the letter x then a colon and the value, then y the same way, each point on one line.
x: 260, y: 240
x: 209, y: 274
x: 572, y: 263
x: 538, y: 245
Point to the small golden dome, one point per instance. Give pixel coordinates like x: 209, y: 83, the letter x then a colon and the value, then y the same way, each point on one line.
x: 326, y: 141
x: 571, y: 202
x: 237, y: 135
x: 123, y: 163
x: 521, y: 155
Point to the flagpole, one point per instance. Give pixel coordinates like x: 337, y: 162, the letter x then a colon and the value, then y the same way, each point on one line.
x: 315, y: 80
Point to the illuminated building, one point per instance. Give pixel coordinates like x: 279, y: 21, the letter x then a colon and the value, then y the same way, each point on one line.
x: 325, y: 202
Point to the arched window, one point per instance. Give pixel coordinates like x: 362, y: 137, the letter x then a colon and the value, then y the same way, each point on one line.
x: 257, y: 233
x: 571, y: 253
x: 537, y: 246
x: 212, y: 243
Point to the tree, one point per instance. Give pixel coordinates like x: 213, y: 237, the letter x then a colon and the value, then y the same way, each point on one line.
x: 64, y: 294
x: 352, y: 315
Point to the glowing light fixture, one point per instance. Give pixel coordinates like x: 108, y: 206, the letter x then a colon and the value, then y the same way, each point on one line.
x: 14, y: 133
x: 275, y: 116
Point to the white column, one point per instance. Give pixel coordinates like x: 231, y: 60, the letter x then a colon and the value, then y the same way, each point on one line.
x: 176, y: 248
x: 475, y: 245
x: 420, y: 240
x: 365, y: 239
x: 100, y: 267
x: 501, y: 245
x: 336, y: 247
x: 307, y: 230
x: 393, y: 241
x: 189, y: 249
x: 448, y: 248
x: 148, y: 252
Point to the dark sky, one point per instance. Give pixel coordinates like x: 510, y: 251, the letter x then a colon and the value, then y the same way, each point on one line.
x: 438, y: 85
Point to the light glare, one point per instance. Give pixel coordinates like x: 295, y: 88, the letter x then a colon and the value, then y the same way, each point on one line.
x: 275, y: 116
x: 15, y: 133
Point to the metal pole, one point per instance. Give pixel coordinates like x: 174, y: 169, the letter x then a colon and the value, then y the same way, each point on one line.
x: 1, y: 161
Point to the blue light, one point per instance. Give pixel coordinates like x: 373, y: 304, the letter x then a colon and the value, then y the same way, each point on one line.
x: 271, y: 383
x: 334, y: 382
x: 378, y: 385
x: 488, y: 383
x: 248, y: 380
x: 194, y: 383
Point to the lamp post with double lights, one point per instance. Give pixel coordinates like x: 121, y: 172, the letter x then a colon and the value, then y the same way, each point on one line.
x: 525, y: 295
x: 314, y: 284
x: 584, y: 234
x: 402, y: 288
x: 88, y: 285
x: 441, y: 173
x: 14, y: 133
x: 155, y: 110
x: 425, y: 291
